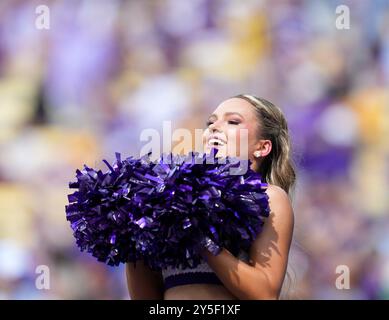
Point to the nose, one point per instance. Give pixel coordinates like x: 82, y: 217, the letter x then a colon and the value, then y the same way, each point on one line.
x: 214, y: 127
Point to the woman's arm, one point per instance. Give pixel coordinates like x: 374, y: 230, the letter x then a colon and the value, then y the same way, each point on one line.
x: 263, y: 277
x: 142, y: 282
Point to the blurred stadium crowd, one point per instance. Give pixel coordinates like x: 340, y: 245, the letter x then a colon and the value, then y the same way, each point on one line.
x: 106, y: 70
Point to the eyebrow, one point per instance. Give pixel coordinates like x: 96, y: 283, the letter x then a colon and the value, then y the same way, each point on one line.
x: 226, y: 114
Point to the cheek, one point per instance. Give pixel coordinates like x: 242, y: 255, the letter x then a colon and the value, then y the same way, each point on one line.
x: 205, y: 135
x: 238, y: 141
x: 246, y: 140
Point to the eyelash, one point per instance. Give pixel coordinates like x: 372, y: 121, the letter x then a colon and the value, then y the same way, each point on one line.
x: 234, y: 122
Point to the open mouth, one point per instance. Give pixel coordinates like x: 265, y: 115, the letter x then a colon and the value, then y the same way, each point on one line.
x: 216, y: 142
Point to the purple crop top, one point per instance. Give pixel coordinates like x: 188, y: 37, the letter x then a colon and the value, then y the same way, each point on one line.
x: 201, y: 274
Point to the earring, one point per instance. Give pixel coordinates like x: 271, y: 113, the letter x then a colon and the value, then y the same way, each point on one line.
x: 257, y: 154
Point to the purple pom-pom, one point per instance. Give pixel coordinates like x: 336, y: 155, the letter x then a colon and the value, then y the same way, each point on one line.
x: 166, y: 212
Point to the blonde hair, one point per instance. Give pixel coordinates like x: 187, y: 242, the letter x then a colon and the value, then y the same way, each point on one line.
x: 277, y: 167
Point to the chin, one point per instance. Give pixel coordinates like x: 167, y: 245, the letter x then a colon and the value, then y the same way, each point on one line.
x: 222, y: 150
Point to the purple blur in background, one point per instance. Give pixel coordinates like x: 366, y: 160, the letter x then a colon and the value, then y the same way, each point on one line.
x: 106, y: 70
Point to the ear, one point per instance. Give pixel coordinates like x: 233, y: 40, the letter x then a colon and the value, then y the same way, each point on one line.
x: 264, y: 147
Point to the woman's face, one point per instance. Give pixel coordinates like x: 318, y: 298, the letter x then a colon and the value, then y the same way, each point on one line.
x: 232, y: 129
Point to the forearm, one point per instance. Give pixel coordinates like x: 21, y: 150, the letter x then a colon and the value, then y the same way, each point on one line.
x: 242, y: 280
x: 142, y: 282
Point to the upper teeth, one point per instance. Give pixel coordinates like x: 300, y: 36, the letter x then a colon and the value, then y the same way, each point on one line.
x: 216, y: 141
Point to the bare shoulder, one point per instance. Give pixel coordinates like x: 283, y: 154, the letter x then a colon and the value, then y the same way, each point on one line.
x: 279, y: 201
x: 277, y: 193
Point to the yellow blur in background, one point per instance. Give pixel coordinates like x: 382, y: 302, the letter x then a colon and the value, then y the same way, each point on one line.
x: 104, y: 71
